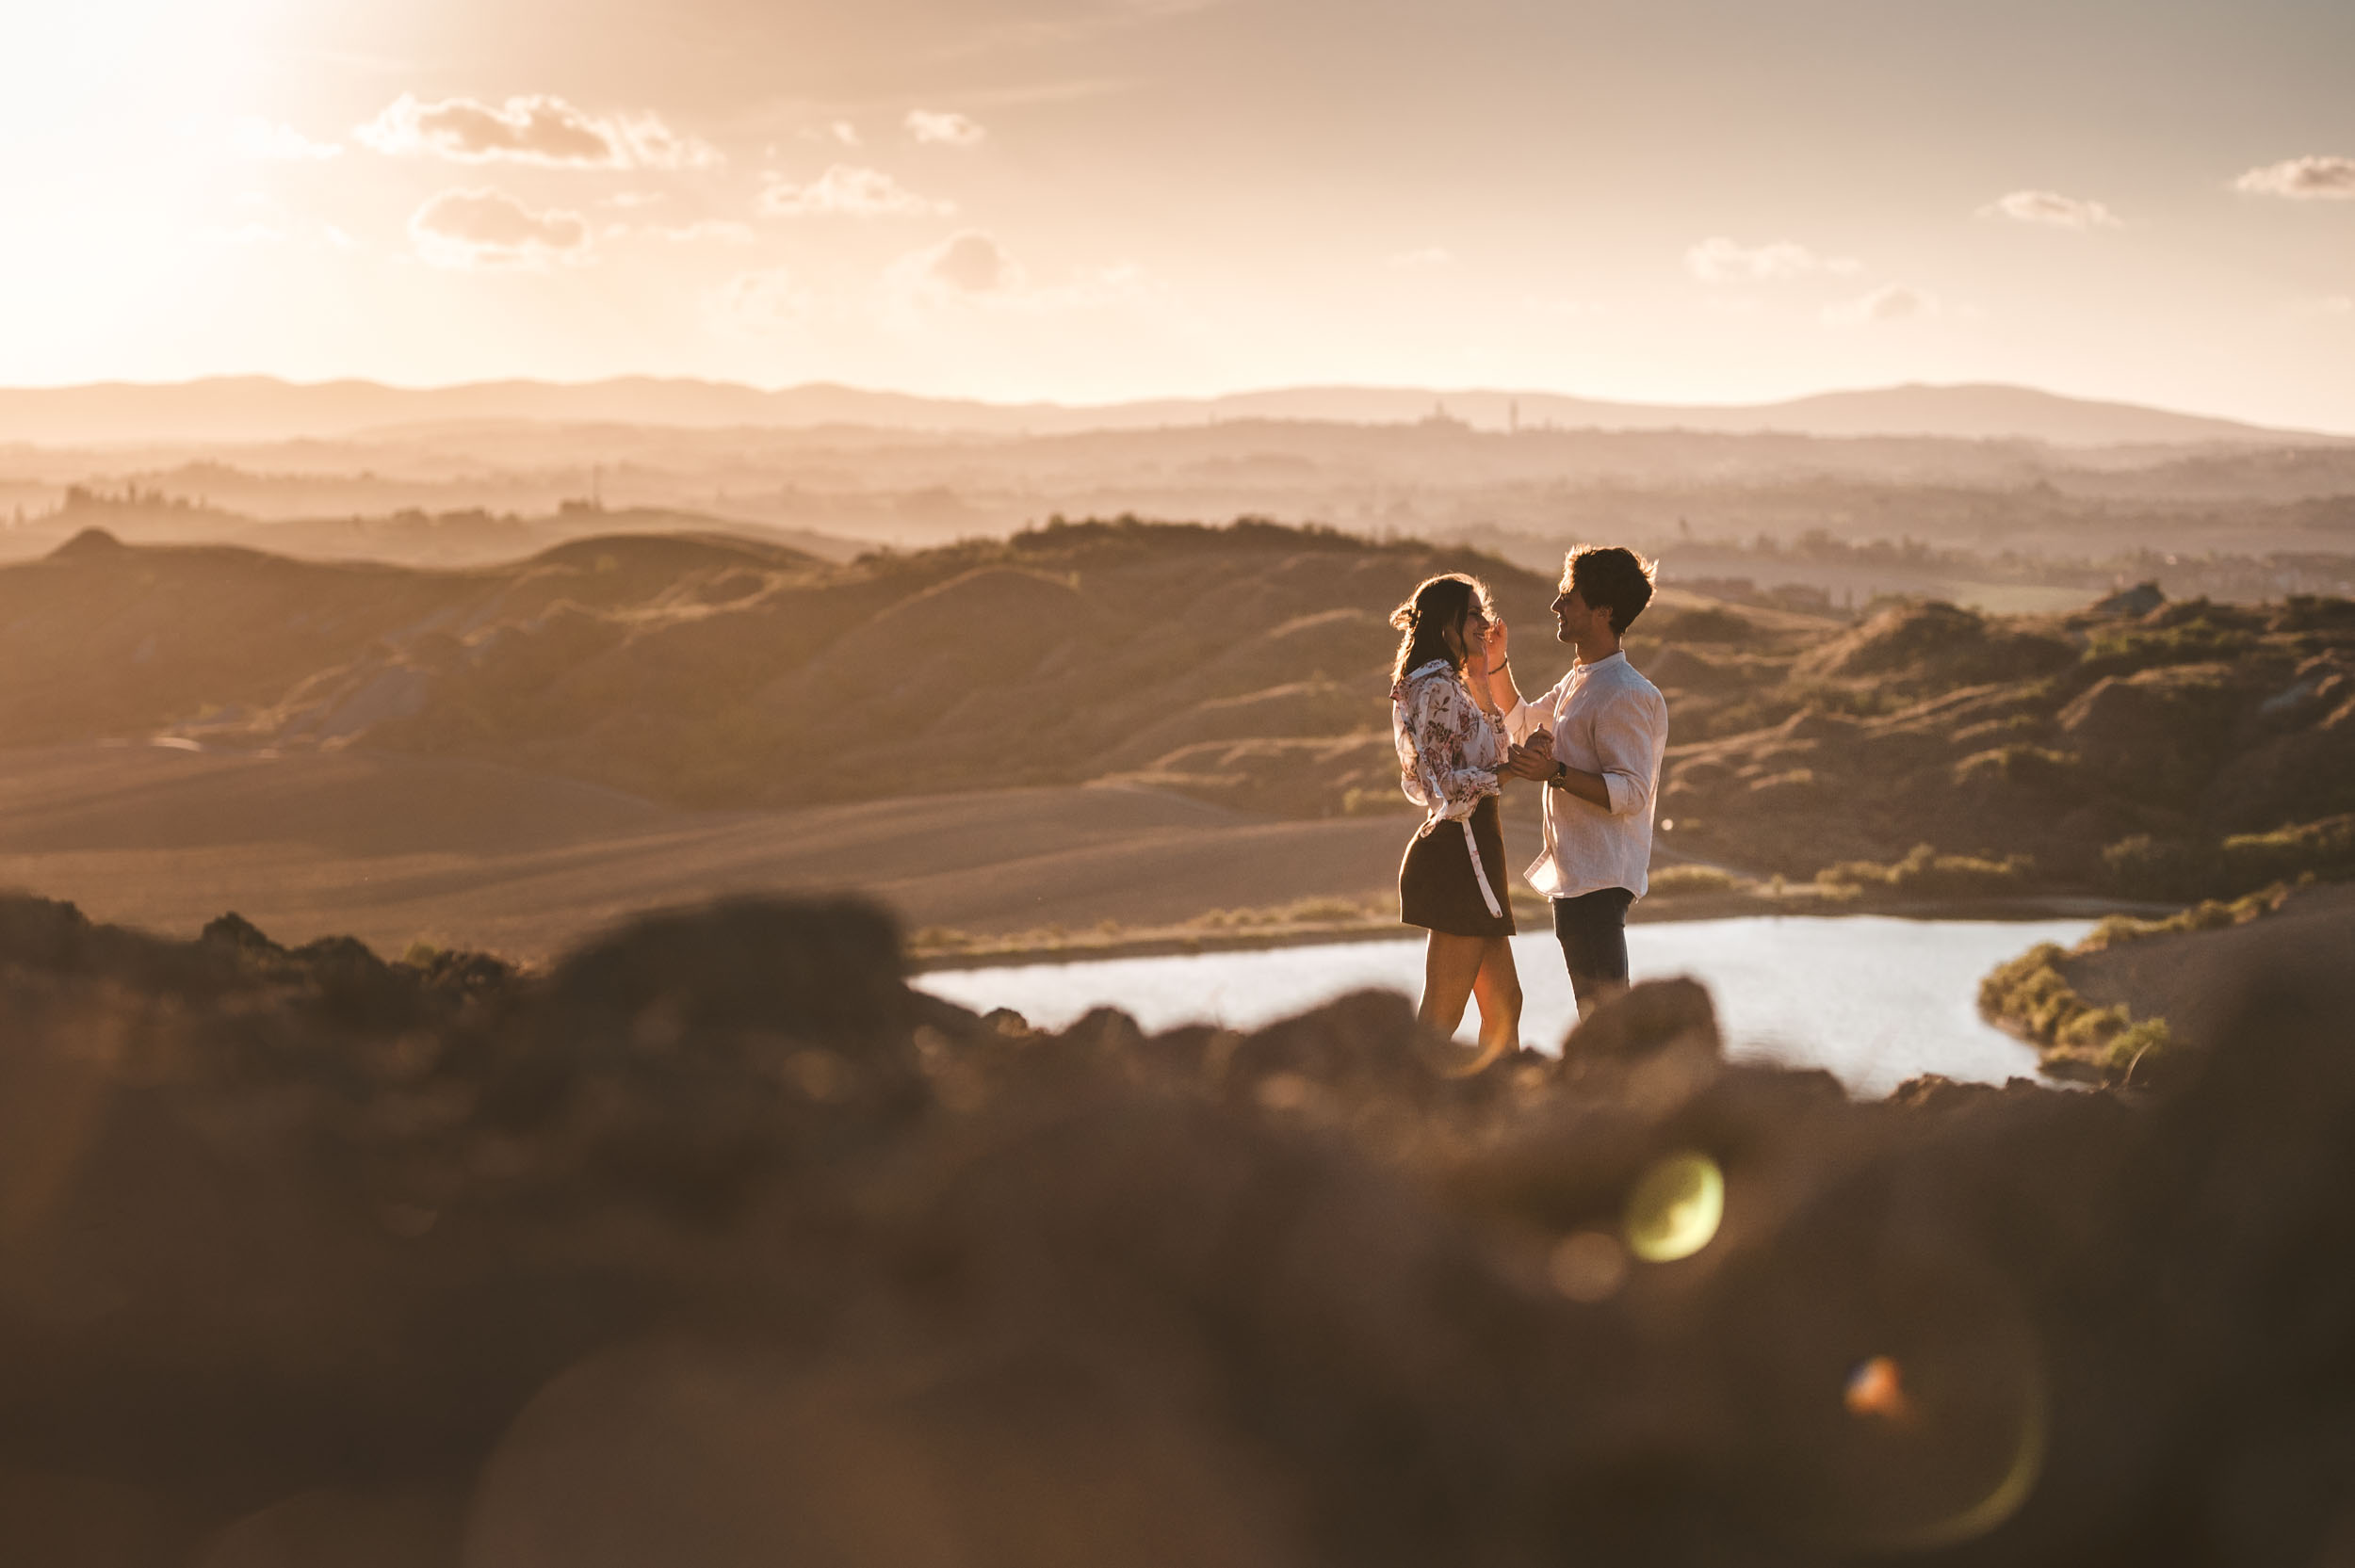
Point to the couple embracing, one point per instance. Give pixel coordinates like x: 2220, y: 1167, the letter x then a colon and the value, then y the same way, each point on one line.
x: 1593, y: 743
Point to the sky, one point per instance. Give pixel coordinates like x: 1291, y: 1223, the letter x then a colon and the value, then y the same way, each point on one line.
x: 1666, y: 200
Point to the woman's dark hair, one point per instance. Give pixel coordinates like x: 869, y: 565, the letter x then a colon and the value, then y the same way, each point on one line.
x: 1611, y: 577
x: 1437, y: 603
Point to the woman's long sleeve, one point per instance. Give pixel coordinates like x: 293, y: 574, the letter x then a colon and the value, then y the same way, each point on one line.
x: 1447, y: 749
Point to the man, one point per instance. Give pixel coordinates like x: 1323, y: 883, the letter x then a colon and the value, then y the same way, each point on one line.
x: 1595, y: 741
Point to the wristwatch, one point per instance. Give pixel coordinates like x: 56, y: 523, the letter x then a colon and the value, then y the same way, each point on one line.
x: 1561, y: 774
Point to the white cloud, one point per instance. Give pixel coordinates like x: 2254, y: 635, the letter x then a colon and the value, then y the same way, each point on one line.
x: 488, y: 228
x: 1719, y: 260
x: 769, y: 300
x: 950, y: 130
x: 653, y: 144
x: 2051, y: 207
x: 844, y: 132
x: 253, y: 137
x: 534, y: 129
x: 1887, y: 303
x: 971, y: 263
x: 1425, y: 260
x: 2309, y: 179
x: 849, y: 192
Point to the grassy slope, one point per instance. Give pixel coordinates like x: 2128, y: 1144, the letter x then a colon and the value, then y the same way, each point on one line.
x: 1242, y: 667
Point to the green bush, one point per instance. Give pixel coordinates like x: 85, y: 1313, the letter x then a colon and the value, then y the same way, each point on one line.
x: 2120, y: 649
x: 2183, y: 868
x: 1672, y: 880
x: 2208, y: 915
x: 2030, y: 996
x: 1927, y: 874
x: 2325, y: 848
x: 2033, y: 767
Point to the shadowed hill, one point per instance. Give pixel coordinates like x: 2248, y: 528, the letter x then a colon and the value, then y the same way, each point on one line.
x: 710, y: 672
x: 2168, y: 752
x: 2145, y: 748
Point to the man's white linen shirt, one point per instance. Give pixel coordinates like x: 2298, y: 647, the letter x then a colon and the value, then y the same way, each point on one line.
x: 1608, y: 720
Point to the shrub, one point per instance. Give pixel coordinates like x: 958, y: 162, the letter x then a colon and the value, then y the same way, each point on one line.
x: 1316, y: 910
x: 1672, y: 880
x: 2146, y: 867
x: 2325, y: 848
x: 1927, y: 874
x: 2212, y: 915
x: 2031, y: 998
x: 1323, y: 908
x: 2119, y: 650
x: 2019, y: 767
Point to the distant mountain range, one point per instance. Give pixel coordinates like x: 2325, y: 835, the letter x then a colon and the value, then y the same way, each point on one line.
x: 255, y: 408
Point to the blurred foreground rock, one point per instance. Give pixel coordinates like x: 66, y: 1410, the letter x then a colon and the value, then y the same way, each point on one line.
x: 718, y: 1245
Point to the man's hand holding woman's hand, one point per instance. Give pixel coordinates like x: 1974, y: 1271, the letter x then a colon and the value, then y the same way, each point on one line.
x: 1532, y: 758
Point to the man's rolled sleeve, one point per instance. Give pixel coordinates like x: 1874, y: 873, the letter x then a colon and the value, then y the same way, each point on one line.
x: 1627, y: 738
x: 1526, y: 718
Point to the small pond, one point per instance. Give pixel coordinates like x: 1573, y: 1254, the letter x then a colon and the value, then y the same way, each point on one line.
x: 1876, y: 1000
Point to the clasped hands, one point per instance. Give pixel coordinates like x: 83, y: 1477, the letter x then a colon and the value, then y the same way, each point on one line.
x: 1531, y: 759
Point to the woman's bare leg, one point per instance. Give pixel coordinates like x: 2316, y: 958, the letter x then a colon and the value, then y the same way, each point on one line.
x: 1458, y: 968
x: 1451, y: 966
x: 1498, y: 988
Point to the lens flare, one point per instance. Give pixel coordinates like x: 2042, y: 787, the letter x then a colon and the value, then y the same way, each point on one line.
x: 1675, y: 1210
x: 1877, y: 1389
x: 2002, y: 1500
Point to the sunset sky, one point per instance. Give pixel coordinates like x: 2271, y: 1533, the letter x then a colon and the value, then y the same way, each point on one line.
x: 1084, y: 200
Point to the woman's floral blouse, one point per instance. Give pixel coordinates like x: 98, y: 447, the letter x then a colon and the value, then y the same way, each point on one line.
x: 1448, y: 749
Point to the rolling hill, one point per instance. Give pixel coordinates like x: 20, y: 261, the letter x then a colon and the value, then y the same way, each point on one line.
x: 1090, y: 721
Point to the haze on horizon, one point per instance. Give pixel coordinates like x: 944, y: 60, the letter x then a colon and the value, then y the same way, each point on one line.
x: 1096, y: 199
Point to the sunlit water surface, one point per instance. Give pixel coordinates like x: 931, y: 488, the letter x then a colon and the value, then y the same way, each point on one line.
x: 1876, y: 1000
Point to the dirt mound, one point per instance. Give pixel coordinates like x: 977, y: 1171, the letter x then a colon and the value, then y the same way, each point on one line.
x: 1932, y: 645
x: 2160, y: 730
x: 715, y: 1245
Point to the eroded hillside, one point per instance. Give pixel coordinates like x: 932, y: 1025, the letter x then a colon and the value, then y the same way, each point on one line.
x: 1248, y: 663
x: 2140, y: 746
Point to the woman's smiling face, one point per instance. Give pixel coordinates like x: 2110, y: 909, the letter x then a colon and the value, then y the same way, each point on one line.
x: 1471, y: 634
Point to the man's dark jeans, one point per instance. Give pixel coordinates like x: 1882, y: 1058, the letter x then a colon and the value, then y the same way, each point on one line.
x: 1592, y: 929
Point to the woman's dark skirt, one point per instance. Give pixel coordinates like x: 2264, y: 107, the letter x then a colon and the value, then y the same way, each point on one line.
x: 1436, y: 885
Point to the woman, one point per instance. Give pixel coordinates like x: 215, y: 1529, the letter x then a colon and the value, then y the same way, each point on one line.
x: 1452, y: 757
